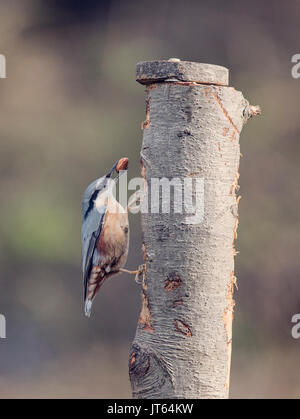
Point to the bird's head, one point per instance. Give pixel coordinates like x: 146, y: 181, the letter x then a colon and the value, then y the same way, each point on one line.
x: 101, y: 188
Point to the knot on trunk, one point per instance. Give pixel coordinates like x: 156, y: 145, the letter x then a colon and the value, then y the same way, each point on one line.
x: 149, y: 374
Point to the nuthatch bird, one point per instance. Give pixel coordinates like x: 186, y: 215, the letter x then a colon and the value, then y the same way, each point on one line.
x: 105, y: 234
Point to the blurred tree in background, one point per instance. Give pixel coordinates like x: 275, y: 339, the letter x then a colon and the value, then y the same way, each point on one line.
x: 69, y: 108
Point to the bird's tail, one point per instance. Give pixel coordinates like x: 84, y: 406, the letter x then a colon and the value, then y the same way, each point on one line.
x: 88, y: 307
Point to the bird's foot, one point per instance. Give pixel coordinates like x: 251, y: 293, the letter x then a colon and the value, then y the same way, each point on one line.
x: 140, y: 271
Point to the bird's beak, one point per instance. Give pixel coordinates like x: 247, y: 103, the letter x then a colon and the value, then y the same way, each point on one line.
x: 120, y: 173
x: 120, y: 167
x: 109, y: 174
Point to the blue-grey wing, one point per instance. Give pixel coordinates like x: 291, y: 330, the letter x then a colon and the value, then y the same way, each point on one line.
x: 91, y: 230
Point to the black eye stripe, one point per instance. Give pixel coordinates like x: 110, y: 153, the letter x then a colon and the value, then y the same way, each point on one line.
x: 91, y: 203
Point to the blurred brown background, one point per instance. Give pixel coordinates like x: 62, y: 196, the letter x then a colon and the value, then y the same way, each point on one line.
x: 69, y: 108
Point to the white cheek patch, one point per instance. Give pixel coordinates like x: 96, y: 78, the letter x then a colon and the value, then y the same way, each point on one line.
x: 100, y: 202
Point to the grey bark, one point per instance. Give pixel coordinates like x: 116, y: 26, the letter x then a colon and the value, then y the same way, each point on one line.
x: 182, y: 346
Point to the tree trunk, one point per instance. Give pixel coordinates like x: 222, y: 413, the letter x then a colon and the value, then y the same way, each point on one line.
x: 182, y: 346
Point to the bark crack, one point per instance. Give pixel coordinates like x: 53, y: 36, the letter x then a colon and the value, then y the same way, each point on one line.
x: 217, y: 98
x: 172, y: 282
x: 145, y: 315
x: 182, y: 327
x: 227, y: 319
x: 145, y: 124
x: 177, y: 303
x: 151, y: 83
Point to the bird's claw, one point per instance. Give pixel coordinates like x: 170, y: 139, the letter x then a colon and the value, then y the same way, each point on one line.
x: 140, y: 272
